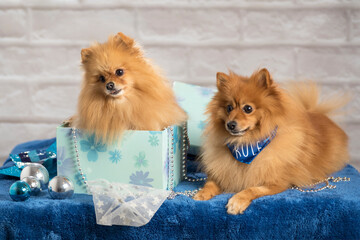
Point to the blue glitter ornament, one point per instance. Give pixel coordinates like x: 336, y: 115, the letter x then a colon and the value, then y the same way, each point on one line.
x: 19, y: 191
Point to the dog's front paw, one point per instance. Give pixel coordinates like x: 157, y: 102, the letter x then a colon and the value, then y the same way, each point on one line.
x: 203, y: 195
x: 237, y: 205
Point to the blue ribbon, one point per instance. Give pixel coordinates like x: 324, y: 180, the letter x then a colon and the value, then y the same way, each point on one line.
x: 247, y: 153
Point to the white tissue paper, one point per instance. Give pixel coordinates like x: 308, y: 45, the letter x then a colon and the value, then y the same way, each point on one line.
x: 125, y: 204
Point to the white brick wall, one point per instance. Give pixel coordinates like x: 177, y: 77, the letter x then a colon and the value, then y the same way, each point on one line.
x: 40, y: 43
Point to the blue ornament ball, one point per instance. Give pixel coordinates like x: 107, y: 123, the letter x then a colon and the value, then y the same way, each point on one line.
x: 19, y: 191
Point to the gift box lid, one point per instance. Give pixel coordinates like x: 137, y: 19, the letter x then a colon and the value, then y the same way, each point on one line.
x: 194, y: 99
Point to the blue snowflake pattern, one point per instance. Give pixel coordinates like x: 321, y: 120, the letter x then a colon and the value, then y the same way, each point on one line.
x: 153, y: 140
x: 92, y: 148
x: 140, y: 160
x: 141, y: 178
x: 115, y: 156
x: 202, y: 125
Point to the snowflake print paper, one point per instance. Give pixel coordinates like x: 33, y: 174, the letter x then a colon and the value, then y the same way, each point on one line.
x: 115, y: 156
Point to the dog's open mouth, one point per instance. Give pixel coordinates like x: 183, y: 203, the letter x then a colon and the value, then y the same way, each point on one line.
x: 115, y: 92
x: 239, y: 133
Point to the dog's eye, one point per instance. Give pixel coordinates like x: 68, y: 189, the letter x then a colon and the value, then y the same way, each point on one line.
x: 247, y: 109
x: 229, y: 108
x: 101, y: 78
x: 119, y: 72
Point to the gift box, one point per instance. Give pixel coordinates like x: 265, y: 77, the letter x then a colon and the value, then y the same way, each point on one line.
x: 194, y: 99
x: 148, y: 158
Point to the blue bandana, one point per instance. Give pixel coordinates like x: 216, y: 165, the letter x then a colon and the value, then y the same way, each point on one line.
x: 247, y: 153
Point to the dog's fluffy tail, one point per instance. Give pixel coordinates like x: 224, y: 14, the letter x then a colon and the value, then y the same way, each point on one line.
x: 307, y: 94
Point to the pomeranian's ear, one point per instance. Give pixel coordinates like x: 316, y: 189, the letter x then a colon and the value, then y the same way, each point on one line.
x: 221, y: 80
x: 124, y: 39
x: 263, y: 78
x: 85, y: 54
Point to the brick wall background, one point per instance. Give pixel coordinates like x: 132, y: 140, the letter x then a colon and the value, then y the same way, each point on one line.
x: 191, y: 40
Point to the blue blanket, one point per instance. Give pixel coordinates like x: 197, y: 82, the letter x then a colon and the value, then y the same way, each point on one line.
x: 329, y: 214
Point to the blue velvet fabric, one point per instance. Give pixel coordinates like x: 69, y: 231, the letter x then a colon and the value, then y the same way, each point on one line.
x: 329, y: 214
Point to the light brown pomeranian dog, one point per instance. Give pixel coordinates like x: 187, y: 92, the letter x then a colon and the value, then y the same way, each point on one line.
x: 123, y: 90
x: 260, y: 139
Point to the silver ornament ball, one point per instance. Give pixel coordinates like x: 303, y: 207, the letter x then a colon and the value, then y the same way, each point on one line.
x: 60, y: 188
x: 34, y: 184
x: 38, y: 171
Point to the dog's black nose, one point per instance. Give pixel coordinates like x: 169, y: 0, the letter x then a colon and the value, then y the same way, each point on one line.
x: 110, y: 86
x: 231, y: 125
